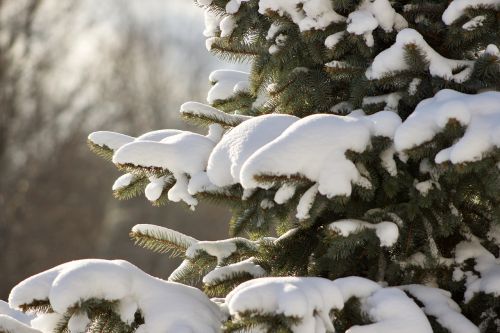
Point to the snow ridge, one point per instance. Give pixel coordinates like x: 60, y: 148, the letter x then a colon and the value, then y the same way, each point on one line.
x: 166, y: 306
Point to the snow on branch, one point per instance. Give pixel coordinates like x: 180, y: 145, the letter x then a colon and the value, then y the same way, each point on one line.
x: 393, y: 59
x: 487, y: 265
x: 370, y: 15
x: 14, y: 321
x: 457, y: 8
x: 312, y: 299
x: 246, y: 266
x: 438, y: 303
x: 226, y: 84
x: 227, y: 158
x: 207, y: 114
x: 315, y: 147
x: 387, y: 232
x: 307, y: 14
x: 221, y: 249
x: 479, y: 113
x: 161, y: 239
x: 165, y: 306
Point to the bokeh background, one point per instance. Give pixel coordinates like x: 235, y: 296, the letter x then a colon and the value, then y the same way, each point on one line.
x: 71, y: 67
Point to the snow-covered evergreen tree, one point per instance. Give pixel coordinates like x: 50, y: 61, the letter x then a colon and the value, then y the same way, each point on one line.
x: 360, y: 158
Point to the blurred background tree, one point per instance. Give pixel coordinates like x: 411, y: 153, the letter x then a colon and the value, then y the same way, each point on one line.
x: 69, y: 68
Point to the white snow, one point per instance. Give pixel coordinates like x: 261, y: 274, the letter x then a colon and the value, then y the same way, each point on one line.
x: 112, y: 140
x: 393, y: 59
x: 180, y: 191
x: 492, y: 49
x: 220, y: 249
x: 333, y: 40
x: 360, y: 22
x: 474, y: 23
x: 372, y: 14
x: 387, y: 232
x: 14, y: 321
x: 225, y: 272
x: 9, y: 324
x: 486, y: 264
x: 480, y: 113
x: 307, y: 14
x: 306, y: 201
x: 212, y: 22
x: 425, y: 186
x: 123, y: 181
x: 166, y: 306
x: 266, y: 204
x: 155, y: 187
x: 284, y: 193
x: 47, y: 322
x: 393, y: 312
x: 229, y: 155
x: 310, y: 298
x: 186, y: 153
x: 387, y: 160
x: 456, y: 8
x: 391, y: 100
x: 20, y: 316
x: 233, y: 6
x: 199, y: 109
x: 155, y: 230
x: 315, y: 147
x: 438, y: 303
x: 227, y: 26
x: 224, y: 83
x: 413, y: 86
x: 181, y: 154
x: 78, y: 322
x: 355, y: 286
x: 158, y: 135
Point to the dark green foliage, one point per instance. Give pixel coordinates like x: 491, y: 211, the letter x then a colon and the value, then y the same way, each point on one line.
x: 160, y: 242
x: 435, y: 206
x: 102, y: 151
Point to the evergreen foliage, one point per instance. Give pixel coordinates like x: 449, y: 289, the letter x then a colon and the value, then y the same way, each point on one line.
x: 439, y: 208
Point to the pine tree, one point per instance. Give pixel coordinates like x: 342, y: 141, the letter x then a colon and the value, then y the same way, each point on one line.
x: 360, y: 158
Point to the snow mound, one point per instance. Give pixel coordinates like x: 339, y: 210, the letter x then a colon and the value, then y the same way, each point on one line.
x: 393, y: 59
x: 480, y: 114
x: 438, y: 303
x: 486, y: 265
x: 14, y: 321
x: 158, y: 135
x: 387, y: 232
x: 373, y: 14
x: 456, y: 8
x: 228, y: 156
x: 226, y: 83
x: 112, y: 140
x: 315, y: 147
x: 307, y: 14
x: 9, y: 324
x: 310, y: 298
x: 393, y: 312
x: 221, y: 273
x: 182, y: 154
x: 186, y: 152
x: 166, y: 306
